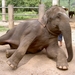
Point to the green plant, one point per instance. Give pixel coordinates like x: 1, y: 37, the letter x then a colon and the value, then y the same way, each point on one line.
x: 48, y: 4
x: 18, y: 16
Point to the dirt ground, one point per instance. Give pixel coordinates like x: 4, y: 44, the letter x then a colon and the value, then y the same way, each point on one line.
x: 37, y: 64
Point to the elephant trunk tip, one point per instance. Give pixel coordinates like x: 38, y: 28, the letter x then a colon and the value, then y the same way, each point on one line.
x: 70, y: 58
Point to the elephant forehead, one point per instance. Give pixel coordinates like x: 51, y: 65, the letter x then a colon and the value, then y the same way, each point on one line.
x: 54, y: 11
x: 57, y: 9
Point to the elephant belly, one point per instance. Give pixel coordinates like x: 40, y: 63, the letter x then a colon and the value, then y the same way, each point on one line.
x: 38, y: 45
x: 35, y: 48
x: 40, y: 42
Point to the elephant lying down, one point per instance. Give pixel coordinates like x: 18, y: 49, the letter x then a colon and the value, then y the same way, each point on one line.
x: 33, y: 36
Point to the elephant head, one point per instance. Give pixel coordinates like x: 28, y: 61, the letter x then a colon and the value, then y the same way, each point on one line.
x: 57, y: 21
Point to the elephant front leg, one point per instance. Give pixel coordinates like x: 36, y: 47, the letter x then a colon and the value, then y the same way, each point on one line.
x: 55, y: 52
x: 14, y: 60
x: 61, y: 62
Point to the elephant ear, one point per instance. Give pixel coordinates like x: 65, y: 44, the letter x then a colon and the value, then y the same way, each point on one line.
x: 49, y: 17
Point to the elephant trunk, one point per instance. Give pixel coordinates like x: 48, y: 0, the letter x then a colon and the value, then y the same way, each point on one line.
x: 66, y: 32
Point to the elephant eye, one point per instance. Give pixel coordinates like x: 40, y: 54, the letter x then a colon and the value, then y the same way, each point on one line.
x: 58, y: 16
x: 49, y: 20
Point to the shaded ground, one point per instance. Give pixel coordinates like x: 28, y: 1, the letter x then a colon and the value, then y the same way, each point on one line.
x: 36, y: 64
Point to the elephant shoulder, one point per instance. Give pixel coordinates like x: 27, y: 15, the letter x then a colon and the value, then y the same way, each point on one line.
x: 36, y: 26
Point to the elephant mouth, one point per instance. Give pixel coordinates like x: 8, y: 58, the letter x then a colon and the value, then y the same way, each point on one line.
x: 51, y: 32
x: 55, y: 33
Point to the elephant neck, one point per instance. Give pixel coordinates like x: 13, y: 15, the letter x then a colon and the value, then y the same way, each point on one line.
x: 42, y: 23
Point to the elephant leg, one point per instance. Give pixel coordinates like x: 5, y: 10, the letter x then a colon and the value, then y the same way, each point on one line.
x: 61, y: 62
x: 9, y: 52
x: 21, y: 50
x: 57, y: 53
x: 6, y: 36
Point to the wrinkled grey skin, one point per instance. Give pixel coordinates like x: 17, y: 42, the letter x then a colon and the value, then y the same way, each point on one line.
x: 33, y: 36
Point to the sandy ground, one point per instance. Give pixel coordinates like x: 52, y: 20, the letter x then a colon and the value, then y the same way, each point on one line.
x: 36, y: 64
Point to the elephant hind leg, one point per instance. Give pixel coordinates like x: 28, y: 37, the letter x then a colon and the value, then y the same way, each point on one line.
x: 26, y: 41
x: 60, y: 57
x: 13, y: 43
x: 6, y: 36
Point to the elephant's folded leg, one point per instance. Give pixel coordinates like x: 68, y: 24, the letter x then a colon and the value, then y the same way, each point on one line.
x: 9, y: 52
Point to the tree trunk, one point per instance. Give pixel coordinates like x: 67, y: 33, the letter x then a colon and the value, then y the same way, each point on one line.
x: 55, y: 2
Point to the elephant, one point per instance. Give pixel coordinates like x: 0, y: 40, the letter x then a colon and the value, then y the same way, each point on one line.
x: 71, y: 13
x: 33, y: 36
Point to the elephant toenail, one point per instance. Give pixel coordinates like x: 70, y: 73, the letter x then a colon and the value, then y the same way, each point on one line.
x: 64, y: 67
x: 60, y: 67
x: 12, y: 66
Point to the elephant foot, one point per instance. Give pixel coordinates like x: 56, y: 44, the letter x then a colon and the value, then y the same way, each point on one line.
x: 9, y: 53
x: 11, y: 65
x: 62, y: 65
